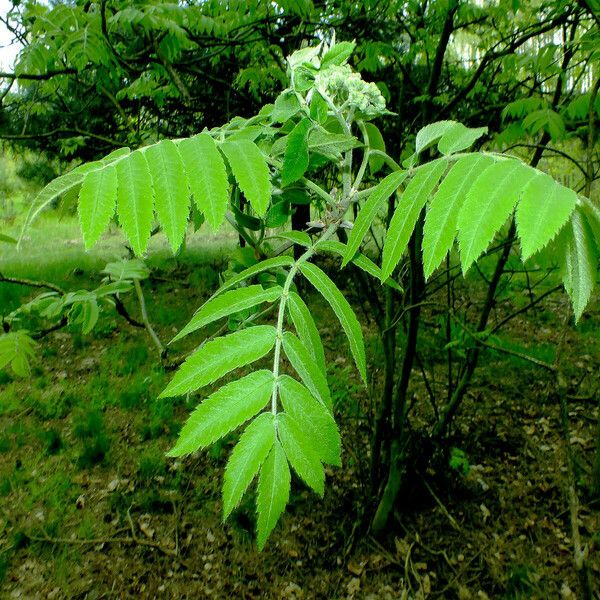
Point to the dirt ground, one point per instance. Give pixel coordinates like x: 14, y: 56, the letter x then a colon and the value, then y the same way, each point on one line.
x: 90, y: 508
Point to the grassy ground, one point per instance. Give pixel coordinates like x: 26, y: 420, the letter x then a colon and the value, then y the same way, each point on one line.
x: 91, y: 508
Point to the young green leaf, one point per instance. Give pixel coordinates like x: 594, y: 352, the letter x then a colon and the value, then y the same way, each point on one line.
x: 207, y: 177
x: 265, y: 265
x: 407, y: 212
x: 298, y: 237
x: 227, y: 304
x: 330, y: 144
x: 338, y: 54
x: 171, y: 193
x: 360, y: 260
x: 304, y: 364
x: 543, y: 210
x: 319, y: 108
x: 246, y: 458
x: 223, y: 411
x: 488, y: 204
x: 301, y: 453
x: 135, y: 200
x: 250, y: 171
x: 97, y: 201
x: 369, y: 211
x: 217, y: 357
x: 442, y: 216
x: 273, y: 492
x: 313, y: 418
x: 458, y: 137
x: 16, y: 349
x: 431, y: 133
x: 306, y: 329
x: 286, y: 106
x: 578, y: 262
x: 376, y: 142
x: 343, y: 311
x: 295, y: 160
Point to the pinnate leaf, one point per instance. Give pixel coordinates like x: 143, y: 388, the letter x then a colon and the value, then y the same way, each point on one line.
x: 246, y: 458
x: 578, y: 261
x: 407, y: 212
x: 135, y: 200
x: 97, y: 201
x: 304, y: 364
x: 223, y: 411
x: 488, y: 204
x: 301, y: 453
x: 440, y: 227
x: 342, y: 310
x: 313, y: 418
x: 207, y: 177
x: 229, y: 303
x: 171, y: 193
x: 543, y: 210
x: 306, y: 329
x: 250, y: 171
x: 273, y: 492
x: 369, y: 211
x: 218, y: 357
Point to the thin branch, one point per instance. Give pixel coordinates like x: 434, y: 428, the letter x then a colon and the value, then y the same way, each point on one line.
x: 145, y: 320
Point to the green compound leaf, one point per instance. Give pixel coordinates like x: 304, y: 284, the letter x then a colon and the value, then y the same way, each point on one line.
x: 207, y: 177
x: 304, y: 364
x: 135, y: 200
x: 227, y: 304
x: 223, y: 411
x: 97, y: 201
x: 440, y: 227
x: 343, y: 311
x: 171, y: 193
x: 251, y: 172
x: 369, y: 211
x: 578, y: 262
x: 306, y: 329
x: 295, y: 160
x: 301, y: 453
x: 218, y: 357
x: 488, y: 204
x: 246, y: 458
x: 273, y: 492
x: 407, y: 212
x: 543, y: 210
x: 313, y: 418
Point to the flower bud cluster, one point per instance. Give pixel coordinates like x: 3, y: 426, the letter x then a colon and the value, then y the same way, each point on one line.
x: 346, y: 87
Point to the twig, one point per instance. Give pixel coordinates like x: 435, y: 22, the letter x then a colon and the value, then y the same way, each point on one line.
x: 32, y: 283
x: 147, y: 325
x: 441, y: 505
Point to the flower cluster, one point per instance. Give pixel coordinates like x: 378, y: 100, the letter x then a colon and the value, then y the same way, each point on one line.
x: 347, y: 88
